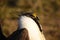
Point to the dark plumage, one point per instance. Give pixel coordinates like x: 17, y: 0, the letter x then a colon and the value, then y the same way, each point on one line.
x: 17, y: 35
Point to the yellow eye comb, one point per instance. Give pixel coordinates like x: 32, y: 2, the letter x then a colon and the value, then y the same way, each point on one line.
x: 34, y: 14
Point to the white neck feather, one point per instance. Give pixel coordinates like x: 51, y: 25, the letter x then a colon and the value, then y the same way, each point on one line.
x: 32, y: 27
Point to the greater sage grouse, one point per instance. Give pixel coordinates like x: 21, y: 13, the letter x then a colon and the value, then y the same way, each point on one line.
x: 28, y: 29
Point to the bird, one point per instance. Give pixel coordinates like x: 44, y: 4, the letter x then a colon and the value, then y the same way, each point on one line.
x: 29, y: 21
x: 28, y: 28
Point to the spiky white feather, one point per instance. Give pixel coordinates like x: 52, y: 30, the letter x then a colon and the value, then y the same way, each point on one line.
x: 32, y: 27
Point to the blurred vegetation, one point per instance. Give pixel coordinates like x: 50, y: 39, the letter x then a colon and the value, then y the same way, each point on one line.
x: 47, y: 10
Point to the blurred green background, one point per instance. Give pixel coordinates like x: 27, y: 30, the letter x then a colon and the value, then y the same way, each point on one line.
x: 47, y: 10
